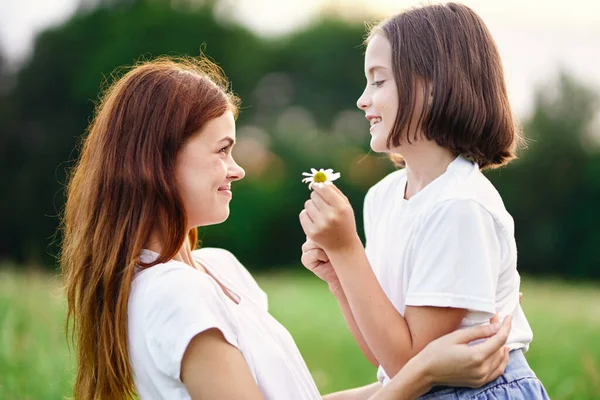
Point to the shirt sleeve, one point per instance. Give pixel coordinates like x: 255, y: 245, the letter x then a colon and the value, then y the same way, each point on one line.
x: 180, y: 304
x: 457, y: 258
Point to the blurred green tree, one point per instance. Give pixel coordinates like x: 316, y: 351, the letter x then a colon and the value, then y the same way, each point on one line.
x: 298, y: 112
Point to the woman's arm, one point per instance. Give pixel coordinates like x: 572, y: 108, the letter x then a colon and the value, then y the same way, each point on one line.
x: 360, y: 393
x: 213, y: 369
x: 450, y: 360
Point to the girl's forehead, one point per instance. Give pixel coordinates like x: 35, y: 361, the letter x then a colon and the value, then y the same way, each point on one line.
x: 378, y: 54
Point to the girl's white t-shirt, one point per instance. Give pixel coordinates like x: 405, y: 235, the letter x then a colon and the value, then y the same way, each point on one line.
x: 171, y: 303
x: 450, y: 245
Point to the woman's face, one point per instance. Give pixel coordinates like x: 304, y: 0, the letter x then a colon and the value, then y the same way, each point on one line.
x: 380, y: 99
x: 205, y: 169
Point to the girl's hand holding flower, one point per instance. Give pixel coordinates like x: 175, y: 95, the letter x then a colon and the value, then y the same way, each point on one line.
x: 328, y: 218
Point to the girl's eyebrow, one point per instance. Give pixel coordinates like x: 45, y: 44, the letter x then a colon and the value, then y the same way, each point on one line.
x: 374, y: 67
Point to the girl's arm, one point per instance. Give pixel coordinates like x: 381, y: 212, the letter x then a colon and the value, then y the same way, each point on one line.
x: 328, y: 219
x: 316, y: 261
x: 393, y: 339
x: 354, y: 328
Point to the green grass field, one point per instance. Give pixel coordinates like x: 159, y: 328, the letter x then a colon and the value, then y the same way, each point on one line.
x: 35, y: 361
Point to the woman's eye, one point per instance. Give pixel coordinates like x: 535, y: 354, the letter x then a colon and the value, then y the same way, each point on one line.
x: 224, y: 150
x: 378, y: 83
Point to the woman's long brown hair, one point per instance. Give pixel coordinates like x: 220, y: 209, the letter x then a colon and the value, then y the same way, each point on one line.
x: 120, y: 191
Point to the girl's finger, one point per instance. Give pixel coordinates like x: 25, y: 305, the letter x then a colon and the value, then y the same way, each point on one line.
x: 329, y: 193
x: 309, y: 245
x: 306, y: 222
x: 321, y: 204
x: 312, y: 210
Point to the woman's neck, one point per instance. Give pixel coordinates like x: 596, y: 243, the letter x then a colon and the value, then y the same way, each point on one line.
x: 425, y: 162
x: 184, y: 254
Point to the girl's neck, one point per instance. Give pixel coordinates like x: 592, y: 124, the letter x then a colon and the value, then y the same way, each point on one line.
x: 425, y: 162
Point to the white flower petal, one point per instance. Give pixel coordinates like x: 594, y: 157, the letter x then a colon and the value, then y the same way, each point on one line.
x: 307, y: 174
x: 314, y: 171
x: 328, y: 171
x: 333, y: 177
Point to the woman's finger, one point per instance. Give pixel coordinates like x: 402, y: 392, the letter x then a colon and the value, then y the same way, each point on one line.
x: 495, y: 319
x: 500, y: 366
x: 499, y: 339
x: 467, y: 335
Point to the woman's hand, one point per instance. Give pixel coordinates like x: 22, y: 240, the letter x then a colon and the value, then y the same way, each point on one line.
x: 328, y: 219
x: 451, y: 361
x: 315, y: 259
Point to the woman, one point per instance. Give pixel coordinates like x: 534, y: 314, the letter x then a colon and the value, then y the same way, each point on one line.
x: 154, y: 317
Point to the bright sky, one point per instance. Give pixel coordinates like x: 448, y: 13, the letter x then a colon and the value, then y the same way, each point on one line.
x: 535, y: 37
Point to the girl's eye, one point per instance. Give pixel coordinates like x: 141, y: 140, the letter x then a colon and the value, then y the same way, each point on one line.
x: 378, y: 83
x: 224, y: 150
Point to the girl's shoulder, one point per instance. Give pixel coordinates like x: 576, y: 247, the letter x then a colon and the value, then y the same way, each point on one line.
x: 387, y: 184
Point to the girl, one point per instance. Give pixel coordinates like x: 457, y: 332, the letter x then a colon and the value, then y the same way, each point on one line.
x: 440, y: 250
x: 155, y: 317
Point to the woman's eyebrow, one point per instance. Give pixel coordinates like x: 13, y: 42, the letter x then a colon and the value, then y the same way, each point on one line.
x: 230, y: 141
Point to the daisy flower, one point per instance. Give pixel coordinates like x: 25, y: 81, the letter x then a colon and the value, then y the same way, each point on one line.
x: 320, y: 176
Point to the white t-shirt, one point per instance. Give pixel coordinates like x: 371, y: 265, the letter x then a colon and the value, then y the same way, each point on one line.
x: 171, y: 303
x: 450, y: 245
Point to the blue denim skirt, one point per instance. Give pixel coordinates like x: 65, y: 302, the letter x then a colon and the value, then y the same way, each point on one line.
x: 517, y: 383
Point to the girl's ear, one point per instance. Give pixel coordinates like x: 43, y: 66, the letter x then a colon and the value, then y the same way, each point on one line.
x: 430, y: 94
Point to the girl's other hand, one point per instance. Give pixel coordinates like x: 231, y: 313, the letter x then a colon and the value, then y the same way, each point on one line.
x: 315, y: 260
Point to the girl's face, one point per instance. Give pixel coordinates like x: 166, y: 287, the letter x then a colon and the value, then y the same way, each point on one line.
x: 380, y: 99
x: 205, y: 169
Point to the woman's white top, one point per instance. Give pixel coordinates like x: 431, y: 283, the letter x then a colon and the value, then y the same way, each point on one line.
x: 171, y: 303
x: 450, y: 245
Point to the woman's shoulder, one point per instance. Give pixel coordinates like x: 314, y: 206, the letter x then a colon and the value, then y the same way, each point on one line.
x: 170, y: 277
x: 229, y: 267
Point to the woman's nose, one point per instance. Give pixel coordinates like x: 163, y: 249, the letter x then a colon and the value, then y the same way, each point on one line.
x: 236, y: 172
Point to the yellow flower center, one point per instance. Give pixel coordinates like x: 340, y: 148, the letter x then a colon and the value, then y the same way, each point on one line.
x: 320, y: 177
